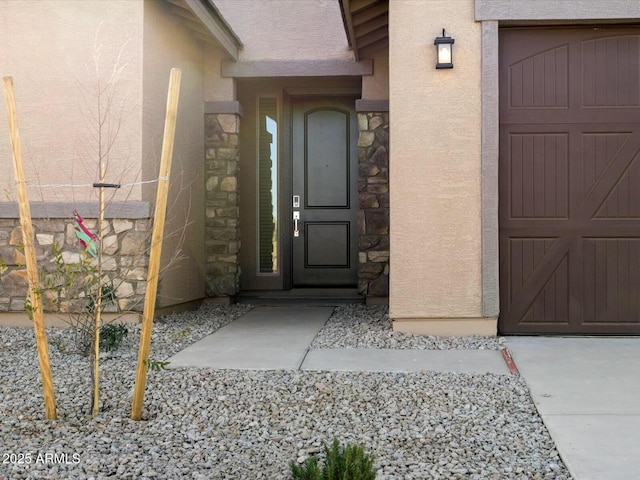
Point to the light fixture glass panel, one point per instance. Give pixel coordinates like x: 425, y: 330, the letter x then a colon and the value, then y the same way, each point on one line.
x: 444, y: 53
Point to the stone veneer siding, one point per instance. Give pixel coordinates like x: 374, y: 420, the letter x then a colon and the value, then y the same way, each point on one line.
x: 373, y: 188
x: 125, y: 259
x: 222, y: 227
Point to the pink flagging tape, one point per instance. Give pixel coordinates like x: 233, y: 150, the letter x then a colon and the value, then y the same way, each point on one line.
x: 509, y: 361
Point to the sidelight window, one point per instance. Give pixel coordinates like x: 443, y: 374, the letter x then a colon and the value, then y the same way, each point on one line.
x: 267, y: 177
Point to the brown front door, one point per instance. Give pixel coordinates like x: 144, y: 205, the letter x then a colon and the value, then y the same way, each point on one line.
x: 325, y: 192
x: 570, y: 180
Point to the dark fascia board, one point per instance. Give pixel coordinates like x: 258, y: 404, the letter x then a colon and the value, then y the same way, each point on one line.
x: 50, y: 210
x: 213, y: 20
x: 297, y: 68
x: 347, y: 21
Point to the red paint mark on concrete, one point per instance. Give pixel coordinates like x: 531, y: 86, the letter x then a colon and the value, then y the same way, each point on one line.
x: 509, y: 361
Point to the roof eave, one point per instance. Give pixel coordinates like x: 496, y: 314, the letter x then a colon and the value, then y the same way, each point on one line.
x: 213, y: 20
x: 366, y: 23
x: 347, y: 21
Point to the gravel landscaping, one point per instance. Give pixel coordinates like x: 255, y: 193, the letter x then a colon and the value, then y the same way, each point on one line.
x: 369, y: 326
x: 225, y: 424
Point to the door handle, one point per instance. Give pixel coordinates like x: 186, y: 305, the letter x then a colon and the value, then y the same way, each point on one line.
x: 296, y: 217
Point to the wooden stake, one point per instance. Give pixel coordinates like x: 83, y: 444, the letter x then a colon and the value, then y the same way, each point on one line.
x: 29, y: 252
x: 98, y: 318
x: 156, y: 242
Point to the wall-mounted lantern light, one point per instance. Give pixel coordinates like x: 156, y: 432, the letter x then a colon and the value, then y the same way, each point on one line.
x: 444, y: 51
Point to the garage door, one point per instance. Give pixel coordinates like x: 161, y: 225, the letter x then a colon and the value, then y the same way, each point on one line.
x: 570, y: 180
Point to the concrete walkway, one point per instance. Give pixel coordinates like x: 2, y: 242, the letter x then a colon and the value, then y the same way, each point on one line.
x: 266, y: 338
x: 269, y: 338
x: 587, y: 391
x: 386, y: 360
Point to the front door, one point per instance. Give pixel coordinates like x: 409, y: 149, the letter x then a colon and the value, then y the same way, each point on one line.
x: 324, y: 201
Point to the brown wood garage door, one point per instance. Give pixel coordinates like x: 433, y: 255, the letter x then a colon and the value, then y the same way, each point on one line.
x: 570, y: 180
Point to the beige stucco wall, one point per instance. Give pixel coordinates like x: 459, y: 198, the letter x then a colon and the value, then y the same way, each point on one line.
x: 216, y: 88
x: 435, y: 122
x: 57, y: 51
x: 287, y: 29
x: 167, y: 44
x: 376, y: 86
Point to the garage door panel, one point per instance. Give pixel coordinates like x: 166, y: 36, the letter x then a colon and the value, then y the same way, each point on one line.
x: 552, y: 303
x: 539, y: 175
x: 570, y: 181
x: 525, y: 255
x: 540, y: 81
x: 623, y: 201
x: 602, y: 200
x: 524, y: 283
x: 598, y: 151
x: 612, y: 276
x: 611, y: 73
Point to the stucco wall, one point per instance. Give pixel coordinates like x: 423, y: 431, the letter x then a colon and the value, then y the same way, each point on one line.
x: 56, y: 52
x: 287, y: 29
x: 217, y: 88
x: 167, y: 44
x: 435, y: 163
x: 376, y: 86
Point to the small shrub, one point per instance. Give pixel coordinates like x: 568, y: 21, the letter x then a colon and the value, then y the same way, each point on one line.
x: 112, y: 336
x: 182, y: 333
x: 74, y: 288
x: 155, y: 365
x: 341, y: 463
x: 309, y: 470
x: 108, y: 296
